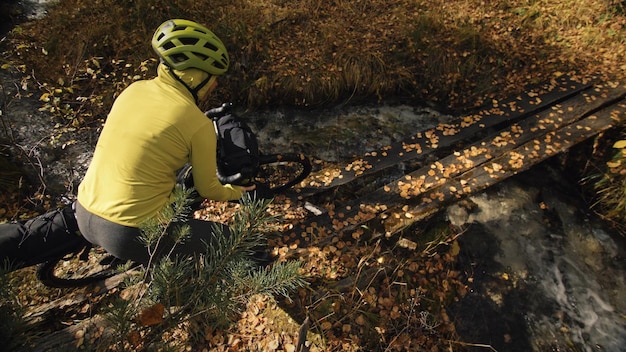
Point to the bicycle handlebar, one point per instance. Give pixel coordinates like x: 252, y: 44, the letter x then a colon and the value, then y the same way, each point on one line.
x: 236, y: 179
x: 219, y: 111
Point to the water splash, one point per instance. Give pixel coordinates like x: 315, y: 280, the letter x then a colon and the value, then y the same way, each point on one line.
x: 565, y: 269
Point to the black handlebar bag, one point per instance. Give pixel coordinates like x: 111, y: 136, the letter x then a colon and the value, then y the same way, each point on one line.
x: 237, y: 147
x: 237, y: 150
x: 49, y: 236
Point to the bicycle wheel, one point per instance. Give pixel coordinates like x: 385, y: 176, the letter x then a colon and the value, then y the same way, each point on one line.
x: 279, y: 172
x: 77, y: 271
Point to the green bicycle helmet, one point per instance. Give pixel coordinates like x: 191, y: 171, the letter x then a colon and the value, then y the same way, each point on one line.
x: 183, y: 44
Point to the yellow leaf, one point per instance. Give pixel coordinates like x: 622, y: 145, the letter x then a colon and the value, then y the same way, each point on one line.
x: 620, y: 144
x: 455, y: 249
x: 45, y: 97
x: 613, y: 164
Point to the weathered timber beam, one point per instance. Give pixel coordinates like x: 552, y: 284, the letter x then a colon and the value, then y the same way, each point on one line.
x: 351, y: 218
x: 468, y: 128
x: 43, y: 313
x: 73, y: 338
x: 504, y: 166
x: 500, y: 142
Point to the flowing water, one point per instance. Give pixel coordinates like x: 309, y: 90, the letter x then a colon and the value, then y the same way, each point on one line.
x: 12, y: 12
x: 547, y: 276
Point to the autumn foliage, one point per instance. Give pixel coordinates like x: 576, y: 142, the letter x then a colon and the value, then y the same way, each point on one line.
x: 455, y: 55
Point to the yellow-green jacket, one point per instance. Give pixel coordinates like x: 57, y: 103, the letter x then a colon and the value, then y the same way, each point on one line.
x: 152, y: 130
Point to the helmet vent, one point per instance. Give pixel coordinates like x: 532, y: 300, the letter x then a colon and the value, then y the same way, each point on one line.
x: 179, y: 57
x: 211, y: 46
x: 189, y: 41
x: 219, y: 65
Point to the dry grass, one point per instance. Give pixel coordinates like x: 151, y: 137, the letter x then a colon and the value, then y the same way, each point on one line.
x: 455, y: 54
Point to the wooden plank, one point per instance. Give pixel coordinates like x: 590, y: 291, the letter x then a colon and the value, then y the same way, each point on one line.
x: 350, y: 218
x: 41, y: 312
x: 73, y: 337
x: 504, y: 166
x: 500, y: 142
x: 469, y: 128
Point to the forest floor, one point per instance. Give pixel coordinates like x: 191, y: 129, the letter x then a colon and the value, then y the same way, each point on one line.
x: 374, y: 296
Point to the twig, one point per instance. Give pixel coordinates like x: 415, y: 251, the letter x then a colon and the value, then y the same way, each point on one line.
x: 467, y: 344
x: 302, y: 334
x: 31, y: 154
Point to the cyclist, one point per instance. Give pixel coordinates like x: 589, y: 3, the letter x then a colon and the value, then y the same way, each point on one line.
x: 154, y: 128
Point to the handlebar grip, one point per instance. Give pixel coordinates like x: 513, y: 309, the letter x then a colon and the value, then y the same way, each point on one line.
x: 219, y: 111
x: 236, y: 179
x: 229, y: 179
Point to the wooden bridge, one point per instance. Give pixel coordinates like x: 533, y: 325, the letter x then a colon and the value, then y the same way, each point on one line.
x: 482, y: 149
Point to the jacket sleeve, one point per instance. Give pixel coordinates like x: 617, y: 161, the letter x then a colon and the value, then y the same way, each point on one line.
x: 203, y: 157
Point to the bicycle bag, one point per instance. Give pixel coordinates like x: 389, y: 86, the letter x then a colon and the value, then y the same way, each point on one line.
x: 49, y: 236
x: 237, y: 147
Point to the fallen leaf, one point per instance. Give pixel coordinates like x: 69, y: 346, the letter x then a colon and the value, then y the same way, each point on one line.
x: 151, y: 316
x: 621, y: 144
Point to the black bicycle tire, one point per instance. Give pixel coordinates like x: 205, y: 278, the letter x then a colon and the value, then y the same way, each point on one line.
x: 45, y: 274
x: 301, y: 159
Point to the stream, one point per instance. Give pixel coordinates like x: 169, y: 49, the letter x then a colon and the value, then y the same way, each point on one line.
x: 547, y: 275
x: 12, y: 12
